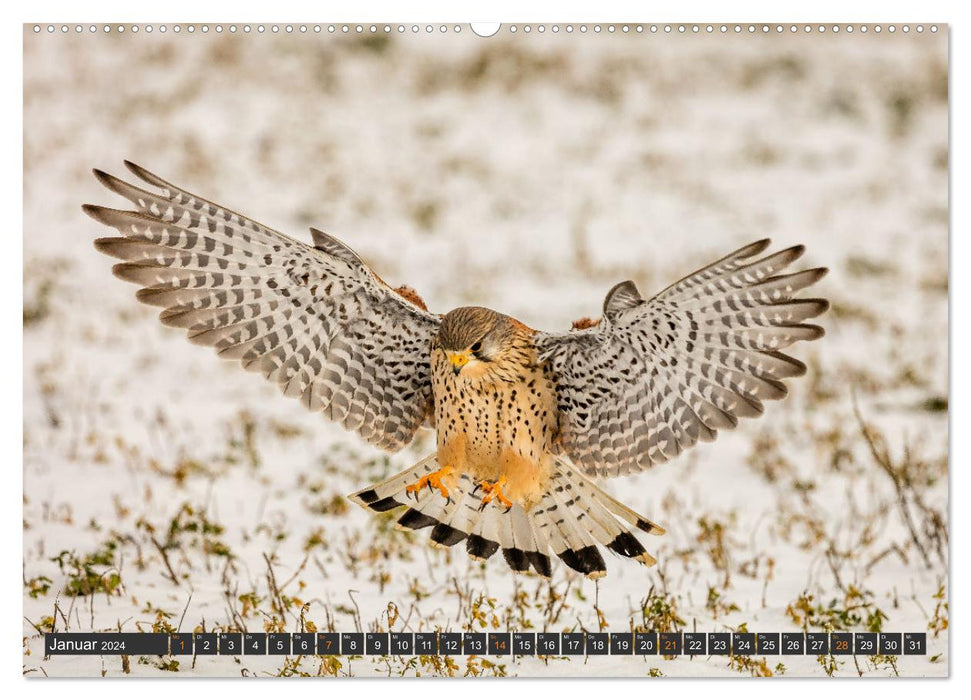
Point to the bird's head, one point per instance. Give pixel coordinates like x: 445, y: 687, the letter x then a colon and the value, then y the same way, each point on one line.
x: 477, y: 342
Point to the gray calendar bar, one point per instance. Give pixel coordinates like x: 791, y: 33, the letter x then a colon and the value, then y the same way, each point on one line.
x: 495, y: 643
x: 87, y: 644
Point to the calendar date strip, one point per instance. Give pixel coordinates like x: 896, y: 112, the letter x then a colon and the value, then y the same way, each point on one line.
x: 665, y: 644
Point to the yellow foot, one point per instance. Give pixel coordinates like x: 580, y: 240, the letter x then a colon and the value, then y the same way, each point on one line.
x: 435, y: 480
x: 494, y: 491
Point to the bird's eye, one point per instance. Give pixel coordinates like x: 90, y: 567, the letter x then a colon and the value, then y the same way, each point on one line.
x: 476, y: 346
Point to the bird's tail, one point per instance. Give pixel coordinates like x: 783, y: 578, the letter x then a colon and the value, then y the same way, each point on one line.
x: 572, y: 520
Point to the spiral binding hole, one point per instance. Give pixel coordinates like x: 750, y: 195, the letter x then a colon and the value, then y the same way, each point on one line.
x: 489, y: 30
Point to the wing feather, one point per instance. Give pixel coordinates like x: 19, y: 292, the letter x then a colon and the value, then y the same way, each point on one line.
x: 314, y: 320
x: 655, y: 377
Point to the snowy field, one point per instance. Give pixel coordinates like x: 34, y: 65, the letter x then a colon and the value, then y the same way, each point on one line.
x: 167, y: 490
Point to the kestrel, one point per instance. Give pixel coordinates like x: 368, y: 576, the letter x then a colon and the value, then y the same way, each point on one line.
x: 524, y: 419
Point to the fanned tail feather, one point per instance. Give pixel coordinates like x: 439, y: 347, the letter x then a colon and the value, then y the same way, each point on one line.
x: 573, y: 519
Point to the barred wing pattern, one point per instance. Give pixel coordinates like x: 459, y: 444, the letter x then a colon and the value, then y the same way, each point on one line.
x: 315, y: 320
x: 652, y: 378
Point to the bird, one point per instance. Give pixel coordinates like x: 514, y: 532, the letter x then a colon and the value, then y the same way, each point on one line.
x: 527, y: 422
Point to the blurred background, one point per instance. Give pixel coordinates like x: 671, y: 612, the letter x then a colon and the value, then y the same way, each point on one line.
x: 529, y: 174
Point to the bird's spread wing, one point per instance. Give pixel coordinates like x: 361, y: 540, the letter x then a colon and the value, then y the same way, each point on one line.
x: 654, y: 377
x: 315, y: 320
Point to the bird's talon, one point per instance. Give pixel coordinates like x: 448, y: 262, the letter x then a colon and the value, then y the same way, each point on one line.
x: 494, y: 491
x: 434, y: 480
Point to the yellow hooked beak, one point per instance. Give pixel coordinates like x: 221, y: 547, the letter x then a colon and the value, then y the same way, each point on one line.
x: 458, y: 360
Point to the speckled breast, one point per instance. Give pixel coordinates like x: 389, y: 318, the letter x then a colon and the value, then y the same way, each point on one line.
x: 483, y: 421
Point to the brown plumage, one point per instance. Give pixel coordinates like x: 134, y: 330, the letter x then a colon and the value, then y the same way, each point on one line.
x: 496, y: 415
x: 582, y: 324
x: 524, y: 418
x: 409, y: 294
